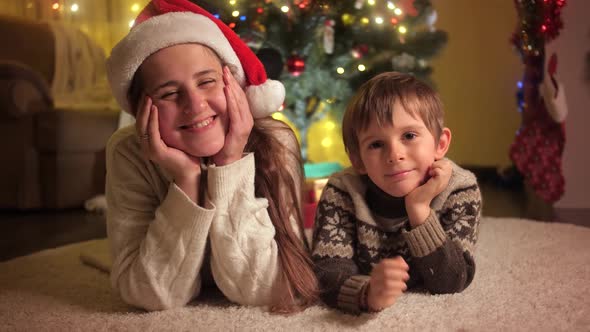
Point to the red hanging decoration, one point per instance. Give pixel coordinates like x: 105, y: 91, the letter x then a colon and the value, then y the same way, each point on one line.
x: 295, y: 65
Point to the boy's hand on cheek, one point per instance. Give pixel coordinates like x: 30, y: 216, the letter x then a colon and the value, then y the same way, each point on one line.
x: 418, y: 201
x: 387, y: 283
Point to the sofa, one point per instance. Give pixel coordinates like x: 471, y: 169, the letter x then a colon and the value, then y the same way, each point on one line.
x: 56, y: 115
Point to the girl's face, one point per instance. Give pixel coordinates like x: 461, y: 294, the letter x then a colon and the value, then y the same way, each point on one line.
x: 397, y: 157
x: 185, y: 83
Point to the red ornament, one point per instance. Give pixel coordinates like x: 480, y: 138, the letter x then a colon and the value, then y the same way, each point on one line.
x: 407, y: 7
x: 359, y: 51
x: 295, y: 65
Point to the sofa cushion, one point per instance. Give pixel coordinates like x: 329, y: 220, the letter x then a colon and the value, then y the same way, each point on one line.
x: 75, y: 130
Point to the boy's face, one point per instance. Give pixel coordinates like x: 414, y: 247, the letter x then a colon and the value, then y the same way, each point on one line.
x: 397, y: 157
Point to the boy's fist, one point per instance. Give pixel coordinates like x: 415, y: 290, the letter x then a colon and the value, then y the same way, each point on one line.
x: 387, y: 283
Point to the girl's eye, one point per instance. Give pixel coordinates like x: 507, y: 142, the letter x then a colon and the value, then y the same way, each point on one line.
x: 409, y: 136
x: 375, y: 145
x: 169, y: 95
x: 207, y: 82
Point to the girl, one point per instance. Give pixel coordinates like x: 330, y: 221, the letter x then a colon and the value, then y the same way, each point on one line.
x: 205, y: 188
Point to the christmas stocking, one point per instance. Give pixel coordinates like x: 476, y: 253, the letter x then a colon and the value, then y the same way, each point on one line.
x: 538, y: 147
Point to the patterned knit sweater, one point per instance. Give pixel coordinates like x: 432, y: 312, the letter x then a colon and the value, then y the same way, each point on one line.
x: 357, y: 225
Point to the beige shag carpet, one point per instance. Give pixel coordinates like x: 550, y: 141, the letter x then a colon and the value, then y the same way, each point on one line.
x: 531, y: 276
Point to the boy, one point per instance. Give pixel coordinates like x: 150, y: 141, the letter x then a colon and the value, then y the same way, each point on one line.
x: 402, y: 215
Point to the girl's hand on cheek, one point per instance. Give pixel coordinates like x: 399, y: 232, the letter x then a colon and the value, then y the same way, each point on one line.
x: 240, y: 121
x: 180, y: 165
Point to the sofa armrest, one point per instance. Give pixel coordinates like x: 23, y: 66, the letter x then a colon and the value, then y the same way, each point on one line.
x: 22, y: 91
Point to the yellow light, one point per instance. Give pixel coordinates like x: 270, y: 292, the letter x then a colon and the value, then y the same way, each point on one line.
x: 131, y: 23
x: 330, y: 125
x: 402, y: 29
x: 327, y: 142
x: 379, y: 20
x: 371, y: 2
x: 340, y: 70
x: 235, y: 13
x: 284, y: 9
x: 75, y: 7
x: 365, y: 20
x: 390, y: 5
x: 55, y: 6
x: 232, y: 2
x: 135, y: 7
x: 362, y: 67
x: 398, y: 11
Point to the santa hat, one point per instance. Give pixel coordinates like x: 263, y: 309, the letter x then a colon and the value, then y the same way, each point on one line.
x: 164, y: 23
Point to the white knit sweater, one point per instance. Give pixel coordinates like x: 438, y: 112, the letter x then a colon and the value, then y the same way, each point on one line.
x: 158, y: 236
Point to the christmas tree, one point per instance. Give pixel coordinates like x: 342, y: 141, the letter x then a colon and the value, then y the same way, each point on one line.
x: 331, y: 47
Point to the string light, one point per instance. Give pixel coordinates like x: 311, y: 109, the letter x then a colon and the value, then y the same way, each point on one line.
x: 284, y: 9
x: 330, y: 125
x: 390, y: 5
x: 371, y: 2
x: 135, y: 8
x: 402, y: 29
x: 398, y: 12
x: 340, y: 70
x: 131, y: 23
x: 362, y: 67
x: 365, y: 21
x: 235, y: 13
x: 379, y: 20
x: 55, y: 6
x: 74, y: 7
x: 232, y: 2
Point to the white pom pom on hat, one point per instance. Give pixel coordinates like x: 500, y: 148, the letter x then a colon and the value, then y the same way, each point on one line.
x: 164, y: 23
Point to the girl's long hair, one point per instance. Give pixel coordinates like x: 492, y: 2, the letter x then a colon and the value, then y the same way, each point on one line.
x: 279, y: 179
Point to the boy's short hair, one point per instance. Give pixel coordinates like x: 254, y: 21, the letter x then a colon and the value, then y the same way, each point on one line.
x: 376, y: 99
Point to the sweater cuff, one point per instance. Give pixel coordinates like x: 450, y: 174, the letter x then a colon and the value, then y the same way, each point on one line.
x: 177, y: 208
x: 350, y: 293
x: 425, y: 238
x: 225, y: 180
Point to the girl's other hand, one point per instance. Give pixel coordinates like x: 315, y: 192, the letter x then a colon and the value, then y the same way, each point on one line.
x: 240, y: 121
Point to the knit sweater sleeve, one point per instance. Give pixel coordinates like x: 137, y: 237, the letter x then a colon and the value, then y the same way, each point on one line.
x: 156, y: 233
x: 442, y: 247
x: 244, y: 255
x: 334, y: 239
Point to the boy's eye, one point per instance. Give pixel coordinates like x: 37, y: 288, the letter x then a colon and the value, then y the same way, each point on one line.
x: 410, y: 136
x: 375, y: 145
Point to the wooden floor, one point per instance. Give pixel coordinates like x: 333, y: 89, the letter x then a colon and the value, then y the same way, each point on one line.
x: 27, y: 232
